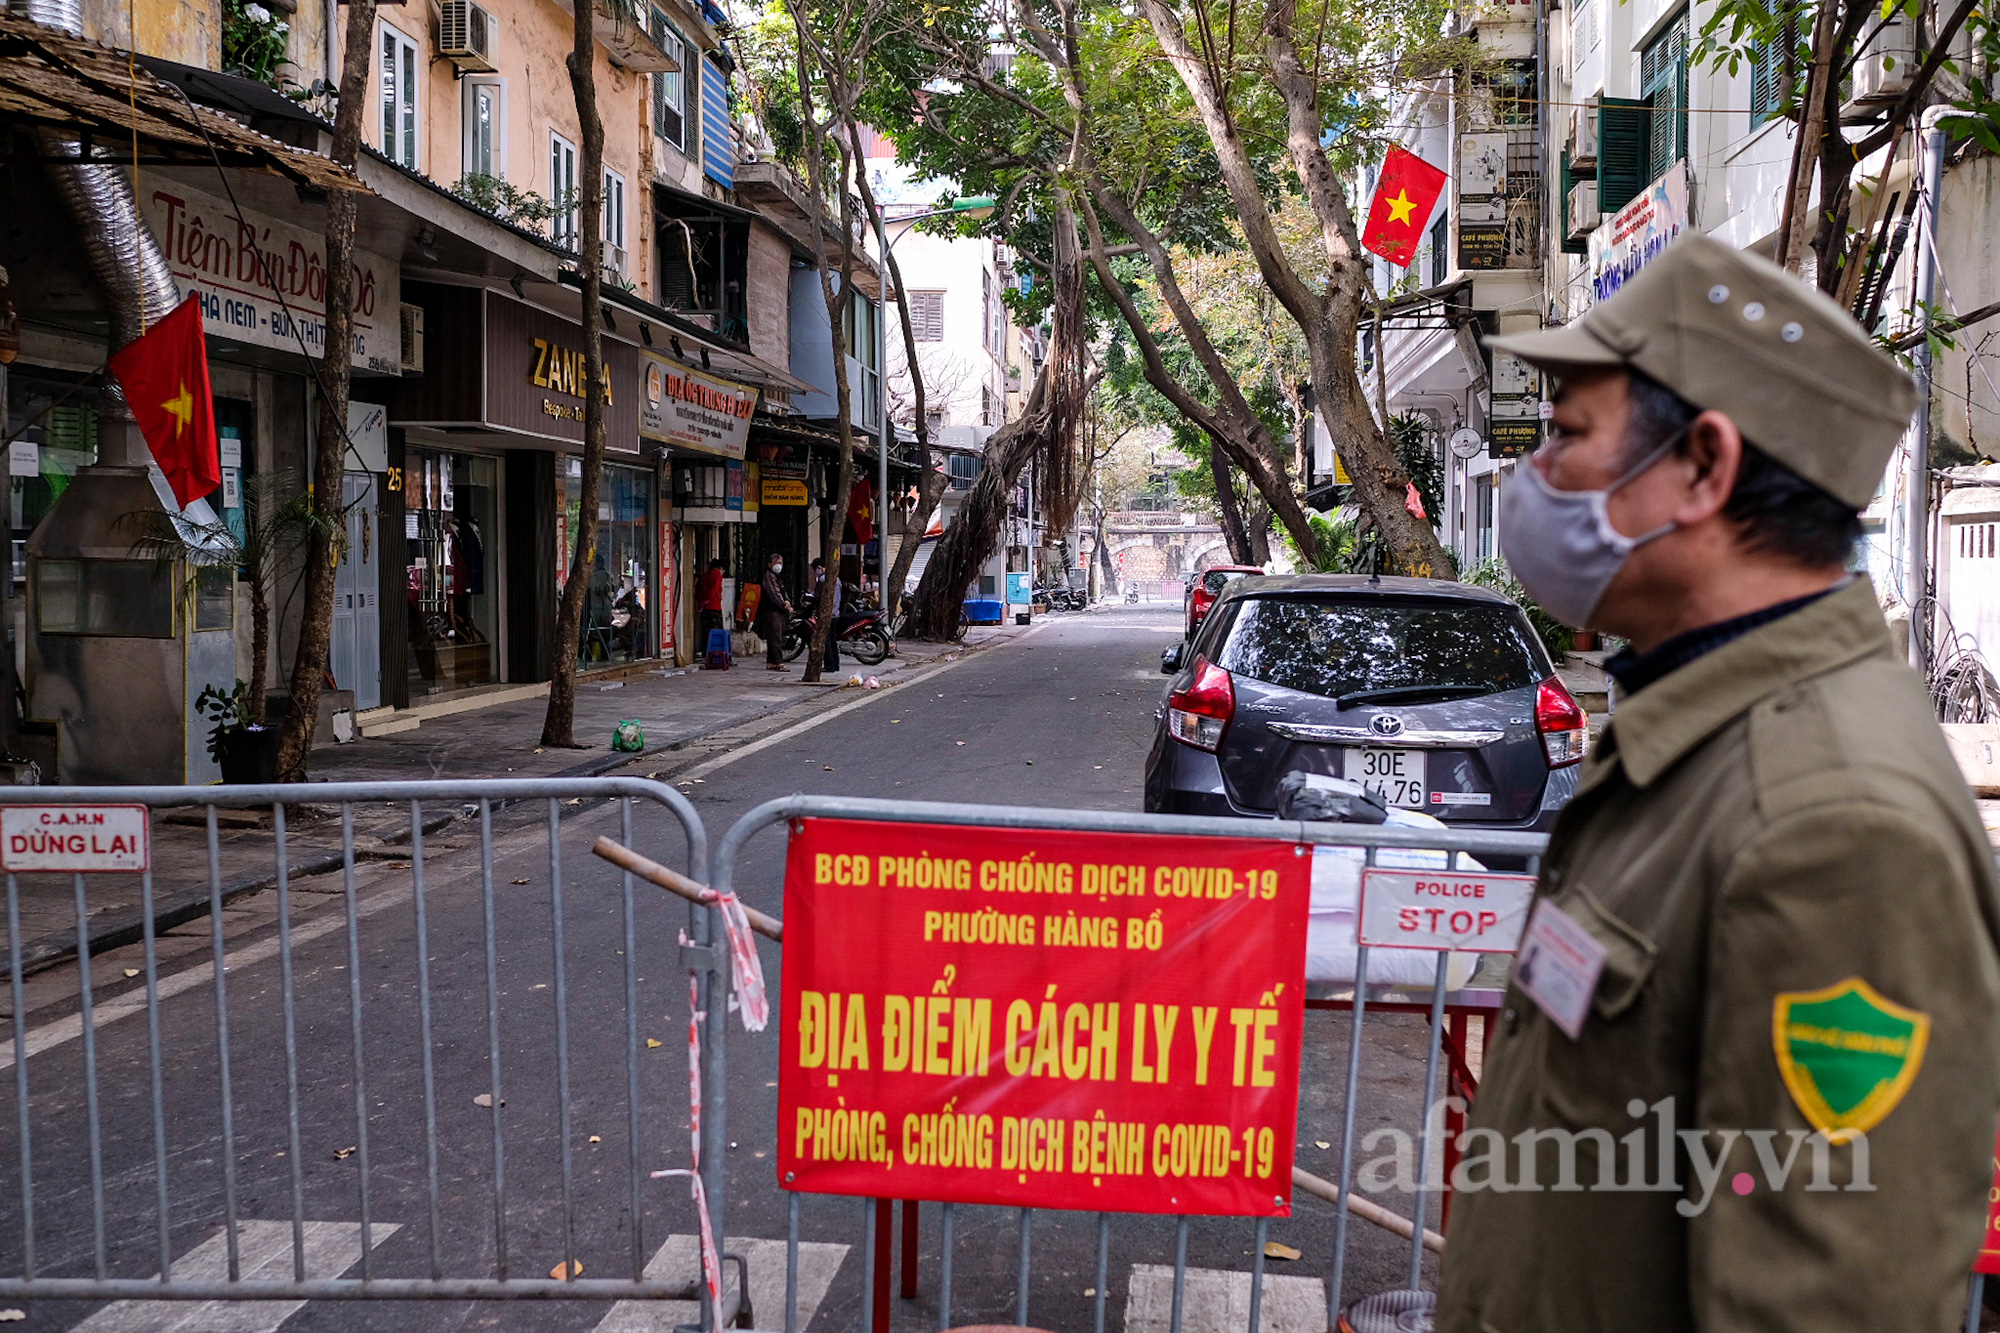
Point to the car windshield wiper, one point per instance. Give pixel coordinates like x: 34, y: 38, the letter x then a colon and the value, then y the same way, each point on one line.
x: 1353, y: 697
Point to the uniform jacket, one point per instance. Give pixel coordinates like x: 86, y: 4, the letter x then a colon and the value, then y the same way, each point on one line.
x: 1755, y: 833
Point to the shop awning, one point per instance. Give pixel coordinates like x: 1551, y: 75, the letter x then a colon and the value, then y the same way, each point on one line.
x: 50, y: 79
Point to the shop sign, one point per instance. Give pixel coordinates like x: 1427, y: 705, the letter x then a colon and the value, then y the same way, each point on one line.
x: 670, y: 585
x: 535, y: 378
x: 1099, y: 1021
x: 696, y: 411
x: 1638, y: 232
x: 1482, y: 200
x: 213, y: 251
x: 1515, y: 407
x: 1513, y: 439
x: 783, y: 491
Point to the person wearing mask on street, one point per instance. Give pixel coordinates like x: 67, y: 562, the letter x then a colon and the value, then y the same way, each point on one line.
x: 774, y: 612
x: 1764, y: 955
x: 826, y: 599
x: 708, y: 601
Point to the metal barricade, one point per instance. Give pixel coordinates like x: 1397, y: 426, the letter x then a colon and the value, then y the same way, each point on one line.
x: 1372, y: 839
x: 399, y: 1016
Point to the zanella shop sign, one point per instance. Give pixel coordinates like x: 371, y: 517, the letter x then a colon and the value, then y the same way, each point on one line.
x: 214, y: 251
x: 682, y: 406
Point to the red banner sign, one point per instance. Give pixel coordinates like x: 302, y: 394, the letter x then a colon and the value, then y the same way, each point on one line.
x: 1988, y: 1260
x: 1087, y: 1021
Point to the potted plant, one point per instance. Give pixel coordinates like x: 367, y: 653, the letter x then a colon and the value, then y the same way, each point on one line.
x: 246, y: 751
x: 272, y: 527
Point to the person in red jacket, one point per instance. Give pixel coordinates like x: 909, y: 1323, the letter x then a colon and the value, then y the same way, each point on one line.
x: 708, y: 602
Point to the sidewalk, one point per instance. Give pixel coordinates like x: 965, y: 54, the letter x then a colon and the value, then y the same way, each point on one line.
x: 683, y: 711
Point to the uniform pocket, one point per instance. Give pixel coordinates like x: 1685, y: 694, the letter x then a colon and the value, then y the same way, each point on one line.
x: 1628, y: 954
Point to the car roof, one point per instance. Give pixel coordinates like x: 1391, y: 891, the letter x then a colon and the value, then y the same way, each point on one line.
x: 1364, y: 585
x: 1234, y: 569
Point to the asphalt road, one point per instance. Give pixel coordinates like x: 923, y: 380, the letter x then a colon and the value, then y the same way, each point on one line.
x: 1062, y: 717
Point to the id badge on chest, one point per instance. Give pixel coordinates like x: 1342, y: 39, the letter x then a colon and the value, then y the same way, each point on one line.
x: 1558, y: 966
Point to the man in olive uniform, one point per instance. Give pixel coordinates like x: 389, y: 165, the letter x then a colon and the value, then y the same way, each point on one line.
x: 1747, y: 1072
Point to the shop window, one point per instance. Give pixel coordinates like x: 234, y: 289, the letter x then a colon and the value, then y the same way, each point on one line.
x: 131, y: 599
x: 451, y: 531
x: 399, y: 98
x: 562, y: 191
x: 670, y: 90
x: 616, y: 627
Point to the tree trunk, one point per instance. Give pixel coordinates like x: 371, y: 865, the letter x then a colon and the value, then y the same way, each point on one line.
x: 1259, y: 525
x: 260, y: 652
x: 330, y: 409
x: 968, y: 541
x: 1806, y: 148
x: 1228, y: 509
x: 559, y: 724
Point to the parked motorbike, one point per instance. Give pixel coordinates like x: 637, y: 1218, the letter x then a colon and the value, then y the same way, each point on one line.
x: 1132, y: 595
x: 866, y: 637
x: 1059, y: 597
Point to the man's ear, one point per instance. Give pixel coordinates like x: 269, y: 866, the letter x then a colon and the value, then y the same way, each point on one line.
x: 1713, y: 454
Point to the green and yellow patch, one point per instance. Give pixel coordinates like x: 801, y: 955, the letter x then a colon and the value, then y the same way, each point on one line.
x: 1847, y: 1054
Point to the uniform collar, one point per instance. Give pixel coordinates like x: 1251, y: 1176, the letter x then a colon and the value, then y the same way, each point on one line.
x: 1654, y: 728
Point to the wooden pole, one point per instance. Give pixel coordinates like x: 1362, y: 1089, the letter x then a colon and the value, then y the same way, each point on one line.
x: 674, y: 882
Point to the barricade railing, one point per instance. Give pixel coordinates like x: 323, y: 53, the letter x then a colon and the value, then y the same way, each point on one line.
x: 300, y: 1120
x: 1367, y: 843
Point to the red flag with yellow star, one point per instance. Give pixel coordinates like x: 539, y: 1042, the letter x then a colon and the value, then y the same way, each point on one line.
x: 164, y: 373
x: 1404, y: 196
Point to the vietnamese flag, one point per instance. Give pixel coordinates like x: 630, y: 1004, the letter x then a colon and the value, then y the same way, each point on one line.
x: 1404, y: 196
x: 164, y: 373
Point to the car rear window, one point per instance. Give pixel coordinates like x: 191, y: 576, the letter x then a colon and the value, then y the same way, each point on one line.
x: 1218, y: 579
x: 1335, y: 647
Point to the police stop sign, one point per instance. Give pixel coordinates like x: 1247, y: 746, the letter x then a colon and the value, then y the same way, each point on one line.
x: 87, y: 838
x: 1444, y: 909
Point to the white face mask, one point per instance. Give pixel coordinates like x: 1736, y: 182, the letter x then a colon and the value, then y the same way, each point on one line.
x: 1561, y: 544
x: 777, y: 567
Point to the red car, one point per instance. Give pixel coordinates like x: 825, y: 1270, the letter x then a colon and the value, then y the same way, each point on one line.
x: 1205, y: 587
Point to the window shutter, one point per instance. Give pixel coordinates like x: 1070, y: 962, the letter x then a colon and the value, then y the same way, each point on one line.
x: 927, y: 316
x: 1764, y: 72
x: 1623, y: 127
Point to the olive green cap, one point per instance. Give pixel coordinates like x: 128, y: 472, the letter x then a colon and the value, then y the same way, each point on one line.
x: 1733, y: 332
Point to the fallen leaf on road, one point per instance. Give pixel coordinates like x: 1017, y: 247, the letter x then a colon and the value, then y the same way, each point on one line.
x: 342, y: 1154
x: 520, y: 881
x: 539, y: 985
x: 1090, y: 1291
x: 575, y: 1267
x: 958, y: 742
x: 131, y: 971
x: 12, y: 1316
x: 1321, y: 1143
x: 486, y: 1099
x: 827, y: 767
x: 1031, y: 763
x: 596, y: 1139
x: 574, y: 800
x: 1277, y: 1250
x: 652, y: 1043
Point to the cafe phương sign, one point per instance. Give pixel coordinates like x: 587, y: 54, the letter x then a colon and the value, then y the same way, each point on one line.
x: 242, y: 263
x: 696, y: 411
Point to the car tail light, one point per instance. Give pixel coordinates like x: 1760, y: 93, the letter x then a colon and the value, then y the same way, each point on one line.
x: 1564, y: 726
x: 1199, y: 714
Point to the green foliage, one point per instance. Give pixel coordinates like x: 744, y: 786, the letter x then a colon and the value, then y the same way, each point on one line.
x: 226, y: 711
x: 1493, y: 573
x: 509, y: 203
x: 254, y: 42
x: 1417, y: 454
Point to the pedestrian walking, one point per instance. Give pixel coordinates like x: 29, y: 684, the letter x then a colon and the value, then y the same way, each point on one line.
x: 708, y: 600
x: 1752, y: 1082
x: 774, y: 613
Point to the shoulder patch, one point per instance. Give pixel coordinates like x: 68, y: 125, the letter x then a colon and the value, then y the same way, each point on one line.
x: 1847, y: 1054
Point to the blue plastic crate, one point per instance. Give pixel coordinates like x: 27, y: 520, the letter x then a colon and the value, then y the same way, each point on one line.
x: 985, y: 610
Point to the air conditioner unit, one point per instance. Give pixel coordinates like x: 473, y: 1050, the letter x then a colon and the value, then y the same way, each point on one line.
x: 1582, y: 213
x: 412, y: 321
x: 1886, y: 67
x: 1583, y: 136
x: 465, y: 36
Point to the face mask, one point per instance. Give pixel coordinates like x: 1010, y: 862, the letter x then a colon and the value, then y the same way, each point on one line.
x: 1561, y: 545
x: 778, y: 567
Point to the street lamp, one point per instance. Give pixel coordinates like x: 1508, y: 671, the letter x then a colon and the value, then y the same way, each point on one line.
x: 977, y: 208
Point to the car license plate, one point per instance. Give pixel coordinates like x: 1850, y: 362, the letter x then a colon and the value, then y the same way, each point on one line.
x: 1397, y: 776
